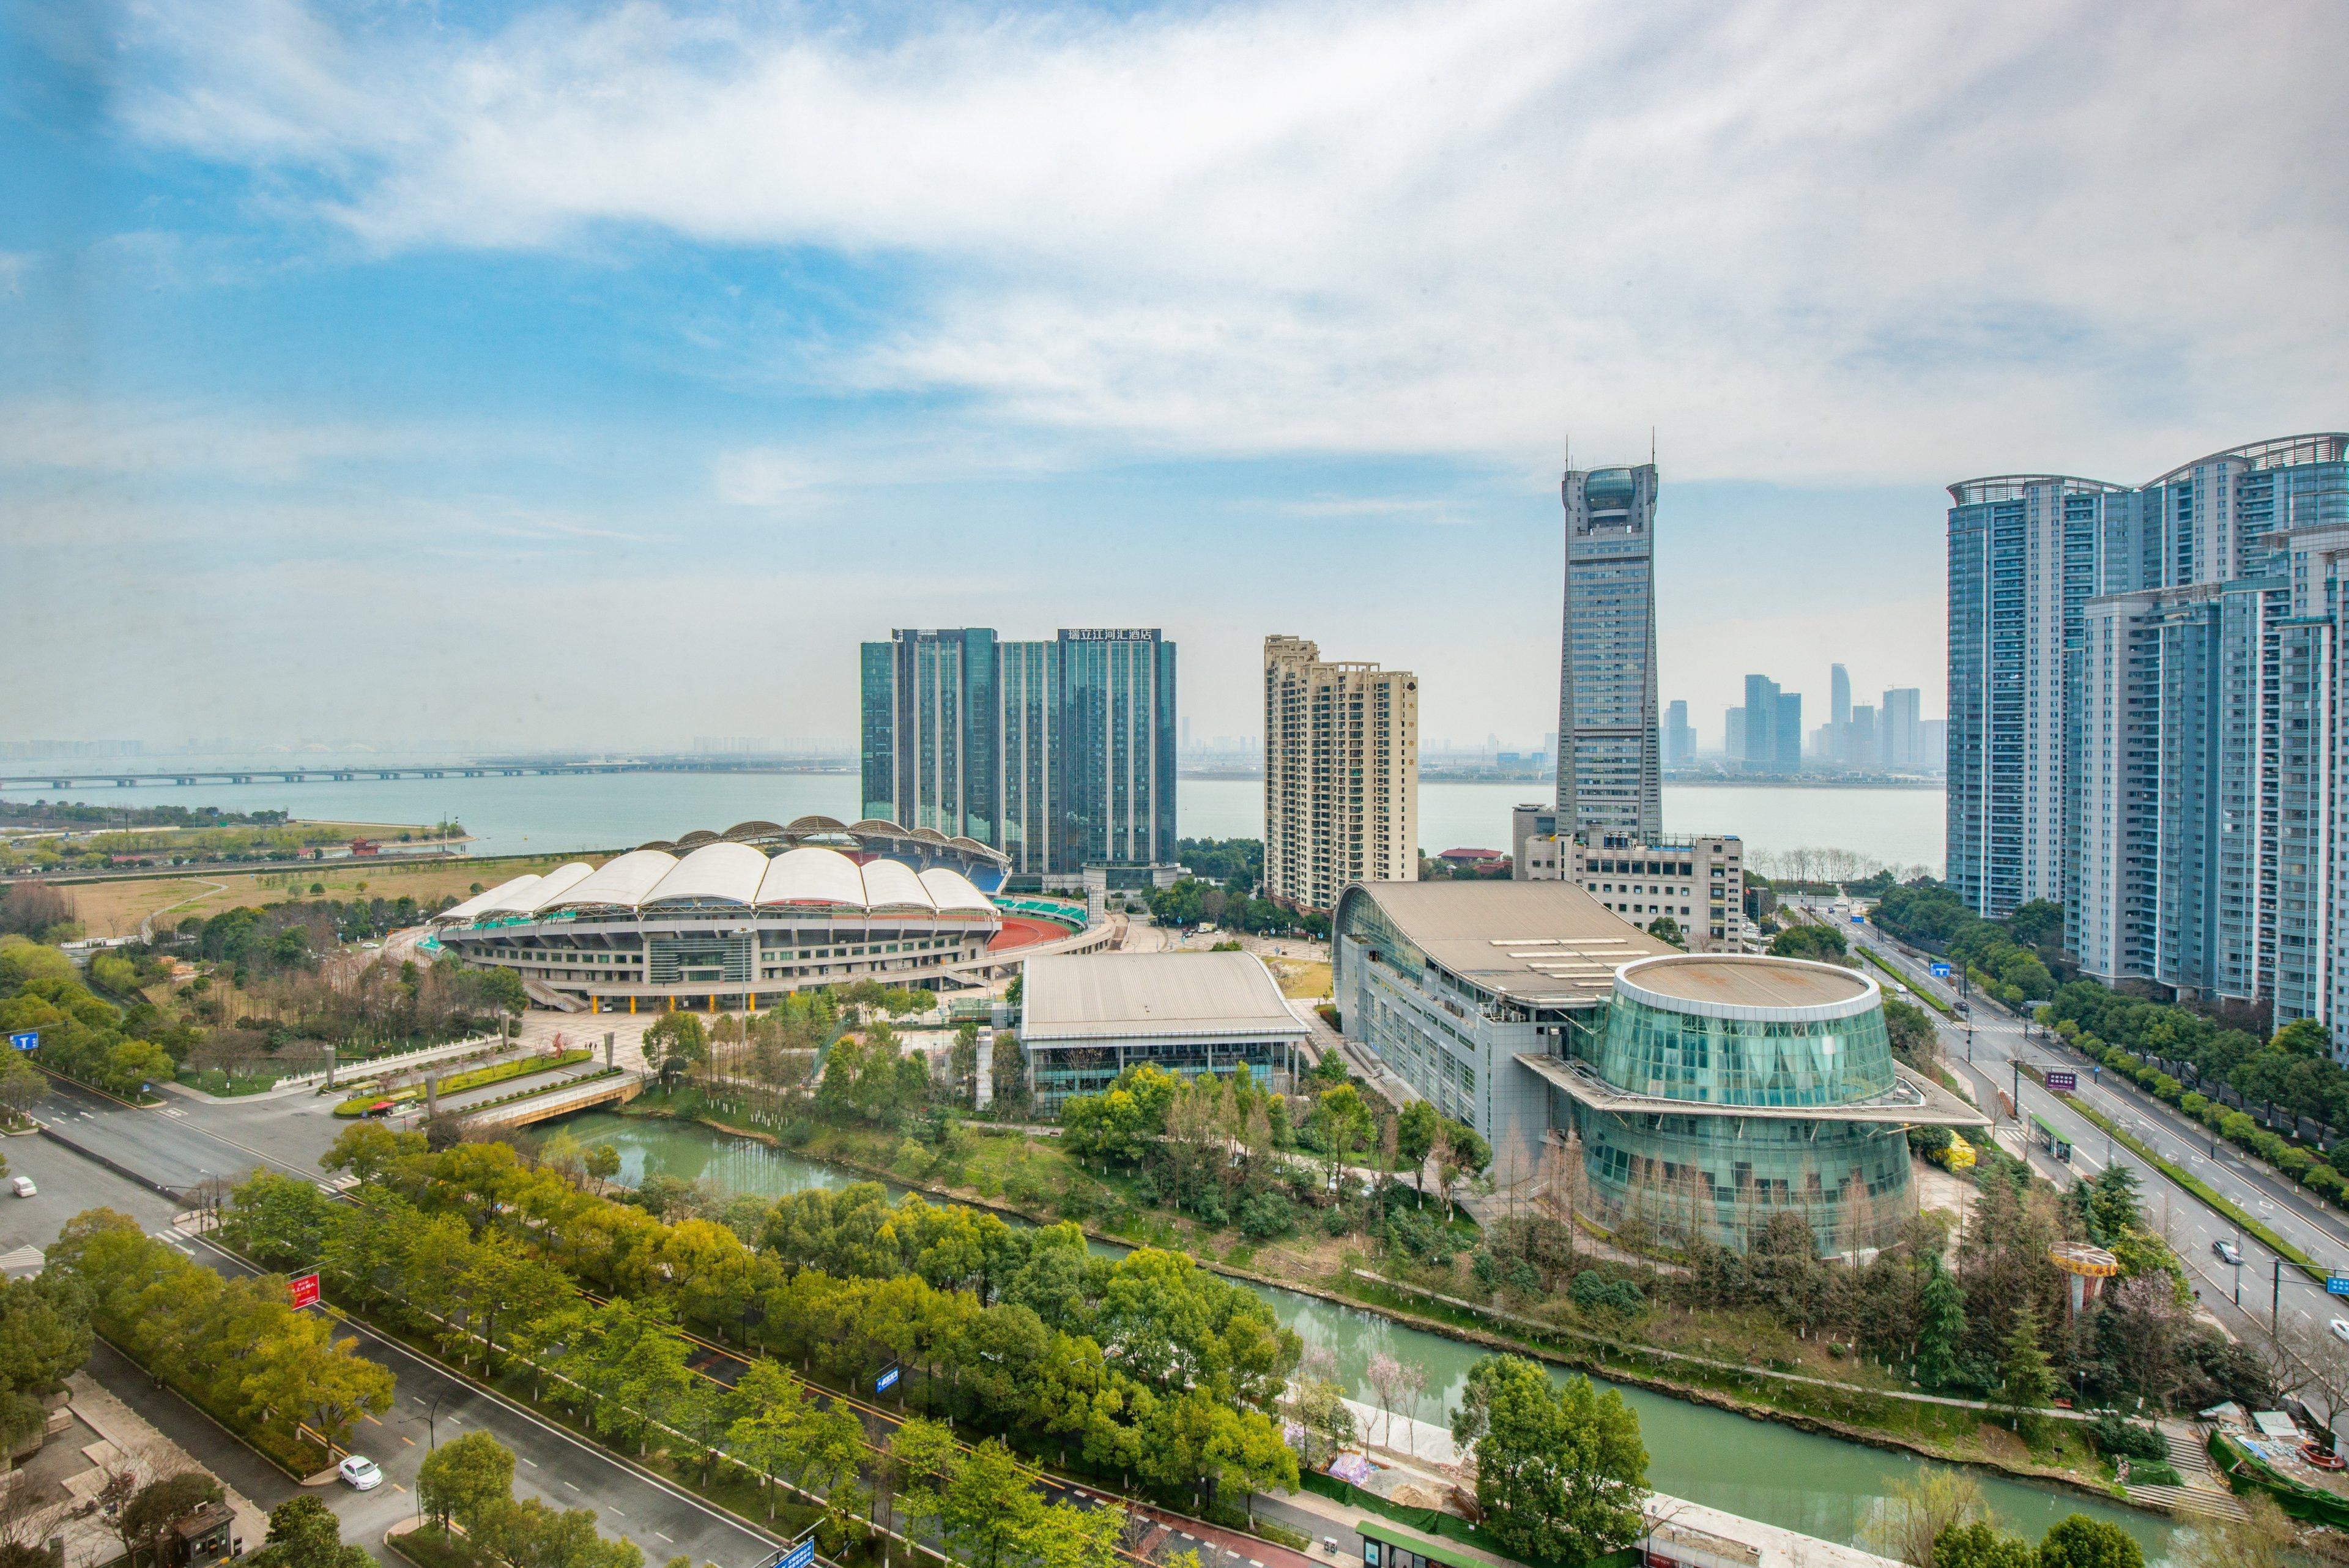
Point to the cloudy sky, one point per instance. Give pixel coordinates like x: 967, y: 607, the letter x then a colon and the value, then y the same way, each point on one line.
x: 571, y: 373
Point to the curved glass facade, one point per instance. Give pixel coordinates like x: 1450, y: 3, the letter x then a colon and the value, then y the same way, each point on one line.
x: 1724, y: 1178
x: 1651, y: 1050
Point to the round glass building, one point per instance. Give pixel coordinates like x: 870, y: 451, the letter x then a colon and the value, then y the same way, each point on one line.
x: 1722, y: 1090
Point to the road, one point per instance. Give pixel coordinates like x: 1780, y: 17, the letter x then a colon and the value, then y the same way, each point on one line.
x: 430, y: 1404
x: 115, y: 1151
x: 1983, y: 1050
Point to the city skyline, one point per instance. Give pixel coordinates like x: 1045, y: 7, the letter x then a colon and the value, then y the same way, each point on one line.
x: 279, y: 374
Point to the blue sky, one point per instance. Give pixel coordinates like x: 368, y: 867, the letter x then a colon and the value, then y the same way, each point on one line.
x: 572, y: 373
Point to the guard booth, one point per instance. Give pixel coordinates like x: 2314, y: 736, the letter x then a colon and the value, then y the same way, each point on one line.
x: 2044, y: 1135
x: 202, y: 1537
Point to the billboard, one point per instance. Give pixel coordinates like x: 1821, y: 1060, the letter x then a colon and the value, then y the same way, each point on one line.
x: 302, y: 1289
x: 2063, y: 1082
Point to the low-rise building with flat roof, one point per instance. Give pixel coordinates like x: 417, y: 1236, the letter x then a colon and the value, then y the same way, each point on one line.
x: 1087, y: 1017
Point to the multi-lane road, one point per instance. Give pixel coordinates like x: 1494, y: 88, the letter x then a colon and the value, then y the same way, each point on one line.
x: 1984, y: 1049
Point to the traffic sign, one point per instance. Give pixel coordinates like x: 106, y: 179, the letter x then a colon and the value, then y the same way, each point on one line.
x: 1942, y: 971
x: 2336, y: 1285
x: 302, y: 1289
x: 1859, y: 919
x: 2063, y: 1082
x: 887, y: 1381
x: 30, y: 1039
x: 800, y: 1557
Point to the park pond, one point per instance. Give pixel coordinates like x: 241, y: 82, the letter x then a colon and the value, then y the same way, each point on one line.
x: 1819, y: 1485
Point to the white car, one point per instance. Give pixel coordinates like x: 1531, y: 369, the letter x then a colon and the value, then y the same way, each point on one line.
x: 24, y: 1186
x: 2340, y: 1327
x: 359, y: 1473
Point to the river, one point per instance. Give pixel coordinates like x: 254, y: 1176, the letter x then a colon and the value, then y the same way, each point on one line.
x: 603, y: 811
x: 1821, y: 1486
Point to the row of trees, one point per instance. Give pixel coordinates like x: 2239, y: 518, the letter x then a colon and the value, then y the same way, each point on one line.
x: 1147, y: 1366
x: 1228, y: 1151
x: 234, y: 1346
x: 82, y: 1035
x: 1192, y: 902
x: 2014, y: 958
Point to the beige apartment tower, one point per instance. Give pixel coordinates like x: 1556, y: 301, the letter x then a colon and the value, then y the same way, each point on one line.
x: 1341, y: 775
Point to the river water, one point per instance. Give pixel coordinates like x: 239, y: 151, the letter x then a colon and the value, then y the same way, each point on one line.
x: 603, y: 811
x: 1821, y: 1486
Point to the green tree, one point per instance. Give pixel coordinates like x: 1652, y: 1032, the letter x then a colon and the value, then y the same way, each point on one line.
x: 1940, y: 1325
x: 465, y: 1477
x: 1560, y: 1470
x: 145, y: 1522
x: 987, y: 1510
x: 1665, y: 928
x: 304, y: 1534
x: 1416, y: 1128
x: 2029, y: 1381
x: 2075, y: 1541
x: 768, y: 1405
x: 1981, y: 1545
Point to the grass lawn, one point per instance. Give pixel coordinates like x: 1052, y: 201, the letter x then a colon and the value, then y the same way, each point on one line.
x: 115, y: 909
x: 1306, y: 980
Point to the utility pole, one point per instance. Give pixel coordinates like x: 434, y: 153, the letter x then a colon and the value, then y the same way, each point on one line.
x: 2275, y: 1298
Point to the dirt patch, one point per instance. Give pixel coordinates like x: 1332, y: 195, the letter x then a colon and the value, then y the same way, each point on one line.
x: 115, y: 909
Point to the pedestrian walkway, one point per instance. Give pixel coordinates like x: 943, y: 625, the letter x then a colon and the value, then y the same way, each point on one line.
x: 2203, y: 1489
x: 132, y: 1443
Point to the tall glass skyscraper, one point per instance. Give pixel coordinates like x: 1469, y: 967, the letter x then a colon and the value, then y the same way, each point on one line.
x: 2185, y: 737
x: 1061, y: 753
x: 1610, y: 758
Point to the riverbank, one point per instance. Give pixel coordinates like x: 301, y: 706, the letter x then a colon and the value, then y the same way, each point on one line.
x: 1922, y: 1427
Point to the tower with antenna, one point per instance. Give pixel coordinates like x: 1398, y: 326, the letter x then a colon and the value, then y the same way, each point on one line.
x: 1609, y: 752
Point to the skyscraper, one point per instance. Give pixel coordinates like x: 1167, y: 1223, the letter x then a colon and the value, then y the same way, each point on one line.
x: 1839, y: 747
x: 1679, y: 736
x: 1760, y: 754
x: 1609, y: 766
x: 1341, y: 775
x: 2026, y: 553
x: 1060, y: 753
x: 1899, y: 722
x: 2187, y: 734
x: 1788, y: 751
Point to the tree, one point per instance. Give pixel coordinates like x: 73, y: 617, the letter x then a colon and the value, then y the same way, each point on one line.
x: 464, y: 1478
x: 2075, y: 1541
x: 2261, y: 1539
x: 304, y: 1534
x: 1416, y: 1128
x: 1919, y: 1510
x: 1940, y: 1326
x: 987, y: 1510
x: 1913, y: 1037
x: 1981, y: 1545
x: 1560, y: 1470
x: 770, y: 1405
x: 2029, y: 1382
x: 1665, y: 928
x: 145, y: 1522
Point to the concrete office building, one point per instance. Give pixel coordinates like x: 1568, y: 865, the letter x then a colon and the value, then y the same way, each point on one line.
x: 1061, y: 753
x: 1702, y: 1094
x: 1697, y: 883
x: 1609, y: 761
x: 1084, y: 1018
x: 1341, y: 775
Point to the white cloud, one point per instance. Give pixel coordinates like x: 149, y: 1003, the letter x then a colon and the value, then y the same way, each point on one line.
x: 1809, y: 241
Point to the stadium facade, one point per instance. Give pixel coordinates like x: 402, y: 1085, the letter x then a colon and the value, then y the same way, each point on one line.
x: 736, y: 920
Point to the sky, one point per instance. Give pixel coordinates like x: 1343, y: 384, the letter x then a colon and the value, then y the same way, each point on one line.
x: 603, y: 375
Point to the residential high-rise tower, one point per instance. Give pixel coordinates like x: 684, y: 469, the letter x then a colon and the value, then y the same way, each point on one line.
x: 1341, y: 775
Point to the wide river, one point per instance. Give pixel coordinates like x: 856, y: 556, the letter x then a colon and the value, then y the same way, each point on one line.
x: 1822, y: 1486
x: 606, y: 811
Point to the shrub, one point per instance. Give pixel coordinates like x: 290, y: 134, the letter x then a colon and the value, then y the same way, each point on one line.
x: 1266, y: 1215
x: 2115, y: 1436
x: 1593, y: 1290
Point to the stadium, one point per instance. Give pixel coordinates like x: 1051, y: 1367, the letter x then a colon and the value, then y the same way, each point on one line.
x: 734, y: 920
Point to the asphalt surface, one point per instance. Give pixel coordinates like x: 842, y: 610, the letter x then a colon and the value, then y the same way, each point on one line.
x: 161, y: 1148
x: 1983, y: 1049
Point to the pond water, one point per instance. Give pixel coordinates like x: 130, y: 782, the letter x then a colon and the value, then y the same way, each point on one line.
x: 1822, y: 1486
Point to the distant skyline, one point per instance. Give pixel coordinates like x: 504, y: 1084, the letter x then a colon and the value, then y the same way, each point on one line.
x: 585, y: 376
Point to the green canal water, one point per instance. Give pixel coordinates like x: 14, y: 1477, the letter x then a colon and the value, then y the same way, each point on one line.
x: 1821, y: 1486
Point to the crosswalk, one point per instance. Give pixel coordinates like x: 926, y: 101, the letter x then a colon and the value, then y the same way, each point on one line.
x: 26, y: 1259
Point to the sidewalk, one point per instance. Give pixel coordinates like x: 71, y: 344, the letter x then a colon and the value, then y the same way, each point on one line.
x: 150, y: 1454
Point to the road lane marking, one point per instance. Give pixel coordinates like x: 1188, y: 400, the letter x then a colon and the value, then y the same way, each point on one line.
x: 671, y: 1539
x: 573, y: 1486
x: 531, y: 1463
x: 409, y: 1441
x: 622, y: 1512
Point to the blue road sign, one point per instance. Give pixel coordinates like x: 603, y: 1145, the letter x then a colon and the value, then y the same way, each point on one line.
x: 800, y: 1557
x: 887, y: 1381
x: 2337, y: 1284
x: 30, y: 1039
x: 1859, y: 919
x: 1942, y: 971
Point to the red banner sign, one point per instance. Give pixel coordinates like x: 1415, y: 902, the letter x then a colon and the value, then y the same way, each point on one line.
x: 302, y: 1290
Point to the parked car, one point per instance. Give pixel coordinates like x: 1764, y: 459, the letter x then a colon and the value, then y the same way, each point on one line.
x: 359, y: 1472
x: 2228, y: 1253
x: 2340, y: 1327
x: 25, y: 1188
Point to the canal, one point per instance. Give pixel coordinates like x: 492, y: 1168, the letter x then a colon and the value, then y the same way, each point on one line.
x: 1822, y: 1486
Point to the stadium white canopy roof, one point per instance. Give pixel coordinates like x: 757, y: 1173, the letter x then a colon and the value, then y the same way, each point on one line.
x: 809, y: 877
